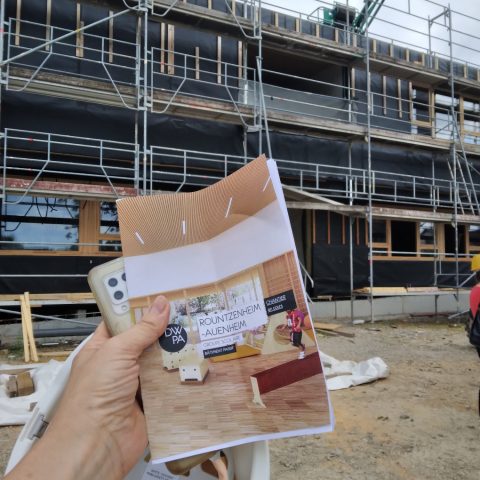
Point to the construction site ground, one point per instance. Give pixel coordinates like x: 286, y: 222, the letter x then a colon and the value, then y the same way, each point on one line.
x: 420, y: 423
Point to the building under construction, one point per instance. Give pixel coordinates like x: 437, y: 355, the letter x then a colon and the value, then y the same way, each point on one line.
x: 377, y: 139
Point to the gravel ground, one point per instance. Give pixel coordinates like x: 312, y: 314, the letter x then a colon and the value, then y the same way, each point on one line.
x: 420, y: 423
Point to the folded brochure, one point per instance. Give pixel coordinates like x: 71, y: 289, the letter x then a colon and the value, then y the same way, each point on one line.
x: 239, y: 360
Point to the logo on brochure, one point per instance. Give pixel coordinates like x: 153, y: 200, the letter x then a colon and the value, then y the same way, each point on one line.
x: 174, y: 338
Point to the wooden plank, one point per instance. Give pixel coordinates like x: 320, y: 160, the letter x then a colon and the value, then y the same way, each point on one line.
x: 71, y: 297
x: 326, y: 326
x: 28, y: 319
x: 60, y: 354
x: 67, y: 188
x: 335, y: 333
x: 26, y: 348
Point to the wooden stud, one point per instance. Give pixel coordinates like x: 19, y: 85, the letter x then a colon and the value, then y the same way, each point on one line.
x: 417, y: 241
x: 26, y: 347
x: 352, y: 82
x: 374, y: 45
x: 389, y: 237
x: 171, y: 47
x: 357, y: 222
x: 162, y: 47
x: 336, y: 35
x: 317, y: 30
x: 384, y: 95
x: 89, y: 226
x: 328, y: 227
x: 410, y: 99
x: 390, y: 50
x: 197, y: 63
x: 17, y: 22
x: 399, y: 90
x: 48, y: 22
x: 462, y: 117
x: 275, y: 19
x: 219, y: 59
x: 79, y: 36
x: 240, y: 59
x: 431, y: 107
x: 343, y: 230
x: 31, y: 337
x: 209, y: 4
x: 407, y: 55
x: 314, y: 227
x: 234, y: 7
x: 297, y: 25
x: 30, y: 349
x: 110, y: 38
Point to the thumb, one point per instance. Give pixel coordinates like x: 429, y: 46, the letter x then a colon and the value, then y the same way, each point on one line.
x: 148, y: 330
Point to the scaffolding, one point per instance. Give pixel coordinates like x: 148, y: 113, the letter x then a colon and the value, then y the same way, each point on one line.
x: 38, y: 58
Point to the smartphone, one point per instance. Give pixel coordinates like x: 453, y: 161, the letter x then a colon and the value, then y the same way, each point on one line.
x: 108, y: 283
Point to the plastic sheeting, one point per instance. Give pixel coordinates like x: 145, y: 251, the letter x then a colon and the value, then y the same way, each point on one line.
x: 340, y: 374
x: 346, y: 373
x: 331, y: 269
x: 17, y: 410
x: 38, y: 265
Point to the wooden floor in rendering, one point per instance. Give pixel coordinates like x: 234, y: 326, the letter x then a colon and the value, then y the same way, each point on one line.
x: 190, y: 417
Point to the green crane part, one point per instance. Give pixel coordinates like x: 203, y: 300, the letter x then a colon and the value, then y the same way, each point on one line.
x: 366, y: 15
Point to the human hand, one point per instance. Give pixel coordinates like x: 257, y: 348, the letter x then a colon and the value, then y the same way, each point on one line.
x: 98, y: 430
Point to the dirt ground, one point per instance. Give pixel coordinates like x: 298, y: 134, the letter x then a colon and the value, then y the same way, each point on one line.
x: 420, y: 423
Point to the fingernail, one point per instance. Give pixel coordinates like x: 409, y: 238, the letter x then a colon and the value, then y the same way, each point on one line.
x: 159, y: 305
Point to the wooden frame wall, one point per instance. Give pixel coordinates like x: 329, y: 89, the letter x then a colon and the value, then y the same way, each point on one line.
x: 431, y: 106
x: 417, y: 255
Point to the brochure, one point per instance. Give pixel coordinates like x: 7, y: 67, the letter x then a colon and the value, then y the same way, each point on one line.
x: 239, y: 360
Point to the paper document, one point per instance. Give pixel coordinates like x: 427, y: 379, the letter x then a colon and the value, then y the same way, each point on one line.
x: 239, y: 360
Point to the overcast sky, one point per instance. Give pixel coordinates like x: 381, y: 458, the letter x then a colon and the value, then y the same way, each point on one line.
x: 398, y: 26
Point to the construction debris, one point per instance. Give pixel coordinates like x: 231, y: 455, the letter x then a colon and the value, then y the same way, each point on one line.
x: 331, y: 329
x: 20, y: 385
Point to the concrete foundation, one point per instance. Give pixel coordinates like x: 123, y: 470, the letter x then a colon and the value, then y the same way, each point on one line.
x: 391, y: 307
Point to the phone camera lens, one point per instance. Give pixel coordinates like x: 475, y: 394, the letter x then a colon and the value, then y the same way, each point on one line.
x: 118, y: 295
x: 124, y: 277
x: 113, y: 282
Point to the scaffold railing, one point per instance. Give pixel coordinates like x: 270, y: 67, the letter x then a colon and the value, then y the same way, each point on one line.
x: 41, y: 156
x: 234, y: 89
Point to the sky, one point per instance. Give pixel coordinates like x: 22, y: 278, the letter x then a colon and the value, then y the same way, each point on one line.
x: 407, y: 29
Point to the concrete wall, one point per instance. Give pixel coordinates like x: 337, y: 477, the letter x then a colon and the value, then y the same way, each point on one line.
x: 390, y: 307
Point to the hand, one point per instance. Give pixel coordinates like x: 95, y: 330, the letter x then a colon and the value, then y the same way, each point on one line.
x: 98, y: 430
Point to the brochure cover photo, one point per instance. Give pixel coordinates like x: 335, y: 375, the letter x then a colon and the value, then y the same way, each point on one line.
x: 239, y: 360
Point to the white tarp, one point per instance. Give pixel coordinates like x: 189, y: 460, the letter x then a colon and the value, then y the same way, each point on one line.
x: 346, y: 373
x: 17, y: 410
x: 340, y: 374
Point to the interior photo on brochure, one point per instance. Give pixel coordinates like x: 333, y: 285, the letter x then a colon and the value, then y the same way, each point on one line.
x: 239, y: 360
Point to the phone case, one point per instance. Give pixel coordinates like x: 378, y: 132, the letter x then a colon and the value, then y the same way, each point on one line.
x: 109, y: 286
